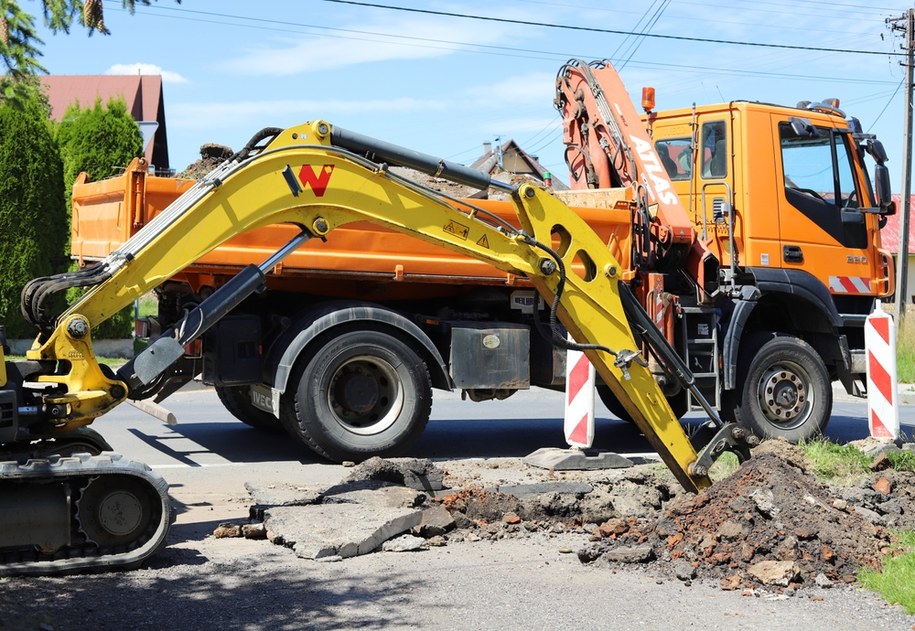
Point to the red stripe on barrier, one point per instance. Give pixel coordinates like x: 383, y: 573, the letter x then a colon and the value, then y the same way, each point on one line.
x: 882, y: 327
x: 578, y: 377
x: 878, y: 429
x: 580, y: 433
x: 880, y: 377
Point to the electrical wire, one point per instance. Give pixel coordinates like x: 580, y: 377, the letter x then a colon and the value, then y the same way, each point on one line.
x: 594, y: 29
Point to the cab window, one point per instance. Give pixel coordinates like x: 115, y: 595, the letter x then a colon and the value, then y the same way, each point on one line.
x: 714, y: 153
x: 817, y: 166
x: 676, y: 155
x: 819, y: 182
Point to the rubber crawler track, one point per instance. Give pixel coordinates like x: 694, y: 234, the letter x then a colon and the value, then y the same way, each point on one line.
x: 75, y: 473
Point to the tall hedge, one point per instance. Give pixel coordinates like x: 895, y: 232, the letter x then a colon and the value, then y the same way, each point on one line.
x: 100, y: 140
x: 33, y: 212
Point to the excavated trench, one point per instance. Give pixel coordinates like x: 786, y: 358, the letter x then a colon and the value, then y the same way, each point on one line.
x: 769, y: 524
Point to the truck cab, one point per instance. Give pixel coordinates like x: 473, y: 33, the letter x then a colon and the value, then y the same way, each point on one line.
x: 782, y: 198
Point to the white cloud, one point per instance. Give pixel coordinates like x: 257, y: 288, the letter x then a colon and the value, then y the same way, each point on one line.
x: 524, y: 89
x: 168, y: 76
x: 416, y: 38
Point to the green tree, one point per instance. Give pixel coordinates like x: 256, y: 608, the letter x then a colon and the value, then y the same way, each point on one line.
x: 33, y: 214
x: 100, y: 140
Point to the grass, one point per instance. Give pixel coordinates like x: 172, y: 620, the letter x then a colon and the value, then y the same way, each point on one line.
x: 896, y: 581
x: 905, y: 350
x: 834, y: 463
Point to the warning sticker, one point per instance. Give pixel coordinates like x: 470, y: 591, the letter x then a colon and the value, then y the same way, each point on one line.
x: 483, y: 242
x: 458, y: 230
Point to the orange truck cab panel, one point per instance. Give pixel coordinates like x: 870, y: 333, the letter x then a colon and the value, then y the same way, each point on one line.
x: 791, y: 202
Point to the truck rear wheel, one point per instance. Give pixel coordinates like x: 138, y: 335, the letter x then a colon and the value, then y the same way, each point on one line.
x: 784, y: 389
x: 237, y: 400
x: 360, y: 394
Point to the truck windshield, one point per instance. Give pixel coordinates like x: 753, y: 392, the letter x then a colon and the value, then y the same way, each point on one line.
x: 818, y: 167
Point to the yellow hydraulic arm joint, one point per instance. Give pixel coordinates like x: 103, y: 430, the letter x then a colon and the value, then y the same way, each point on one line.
x: 90, y: 392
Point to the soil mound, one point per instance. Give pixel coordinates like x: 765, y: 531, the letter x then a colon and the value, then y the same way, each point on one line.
x: 770, y: 523
x: 211, y: 156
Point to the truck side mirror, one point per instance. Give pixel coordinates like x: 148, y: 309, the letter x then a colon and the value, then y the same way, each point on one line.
x: 884, y: 192
x: 877, y: 151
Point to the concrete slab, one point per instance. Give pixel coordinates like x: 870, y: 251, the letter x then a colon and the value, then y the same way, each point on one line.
x: 576, y: 459
x: 282, y: 494
x: 344, y: 530
x: 386, y: 496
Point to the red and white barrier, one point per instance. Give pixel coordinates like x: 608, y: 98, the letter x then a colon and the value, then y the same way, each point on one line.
x: 880, y: 346
x: 579, y: 410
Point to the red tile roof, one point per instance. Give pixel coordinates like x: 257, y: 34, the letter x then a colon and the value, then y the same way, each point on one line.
x: 889, y: 235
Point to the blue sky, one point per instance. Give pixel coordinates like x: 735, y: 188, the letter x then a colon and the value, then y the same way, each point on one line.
x: 445, y: 85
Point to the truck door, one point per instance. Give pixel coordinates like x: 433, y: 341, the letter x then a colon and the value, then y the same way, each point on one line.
x: 822, y: 230
x: 706, y: 191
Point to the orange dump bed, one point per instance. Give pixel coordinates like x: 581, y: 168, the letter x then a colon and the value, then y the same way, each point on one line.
x: 361, y: 258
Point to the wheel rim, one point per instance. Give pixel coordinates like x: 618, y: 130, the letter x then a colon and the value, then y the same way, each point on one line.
x: 114, y: 512
x: 785, y: 397
x: 365, y: 395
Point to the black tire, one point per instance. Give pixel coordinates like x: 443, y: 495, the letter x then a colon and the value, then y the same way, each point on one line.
x: 677, y: 403
x: 237, y: 400
x: 360, y: 394
x: 783, y: 389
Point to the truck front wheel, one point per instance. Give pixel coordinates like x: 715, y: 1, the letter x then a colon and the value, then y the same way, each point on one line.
x: 360, y: 394
x: 783, y: 389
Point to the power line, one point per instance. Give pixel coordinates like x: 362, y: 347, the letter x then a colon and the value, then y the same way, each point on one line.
x: 508, y: 51
x: 592, y: 29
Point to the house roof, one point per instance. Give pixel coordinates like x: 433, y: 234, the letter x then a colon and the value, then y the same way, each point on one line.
x: 509, y: 157
x: 141, y: 93
x: 889, y: 235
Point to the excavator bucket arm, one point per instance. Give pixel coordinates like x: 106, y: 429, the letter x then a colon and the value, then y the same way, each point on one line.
x: 302, y: 177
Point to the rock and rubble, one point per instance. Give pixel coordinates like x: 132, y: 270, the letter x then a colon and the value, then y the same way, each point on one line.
x: 770, y: 525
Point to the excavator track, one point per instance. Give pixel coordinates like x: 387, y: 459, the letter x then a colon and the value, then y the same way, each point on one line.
x: 80, y: 513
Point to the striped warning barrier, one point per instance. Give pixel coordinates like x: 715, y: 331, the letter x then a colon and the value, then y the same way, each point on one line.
x: 880, y: 346
x: 579, y: 409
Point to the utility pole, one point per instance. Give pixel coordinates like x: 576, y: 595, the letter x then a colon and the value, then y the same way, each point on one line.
x: 902, y: 259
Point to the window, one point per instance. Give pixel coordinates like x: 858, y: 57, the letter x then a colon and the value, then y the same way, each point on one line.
x: 676, y: 155
x: 714, y: 154
x: 818, y: 166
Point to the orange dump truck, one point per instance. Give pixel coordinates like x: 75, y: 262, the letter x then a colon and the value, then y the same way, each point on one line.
x: 759, y: 267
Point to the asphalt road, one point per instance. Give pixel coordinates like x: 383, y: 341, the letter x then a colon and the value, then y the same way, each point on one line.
x: 207, y: 436
x: 199, y: 582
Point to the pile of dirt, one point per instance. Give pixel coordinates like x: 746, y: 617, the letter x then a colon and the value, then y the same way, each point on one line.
x: 211, y: 156
x: 769, y: 524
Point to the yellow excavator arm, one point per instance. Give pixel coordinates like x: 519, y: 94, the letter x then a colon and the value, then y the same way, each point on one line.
x: 319, y: 179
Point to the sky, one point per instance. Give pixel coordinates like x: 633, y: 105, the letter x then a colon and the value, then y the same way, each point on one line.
x: 445, y: 84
